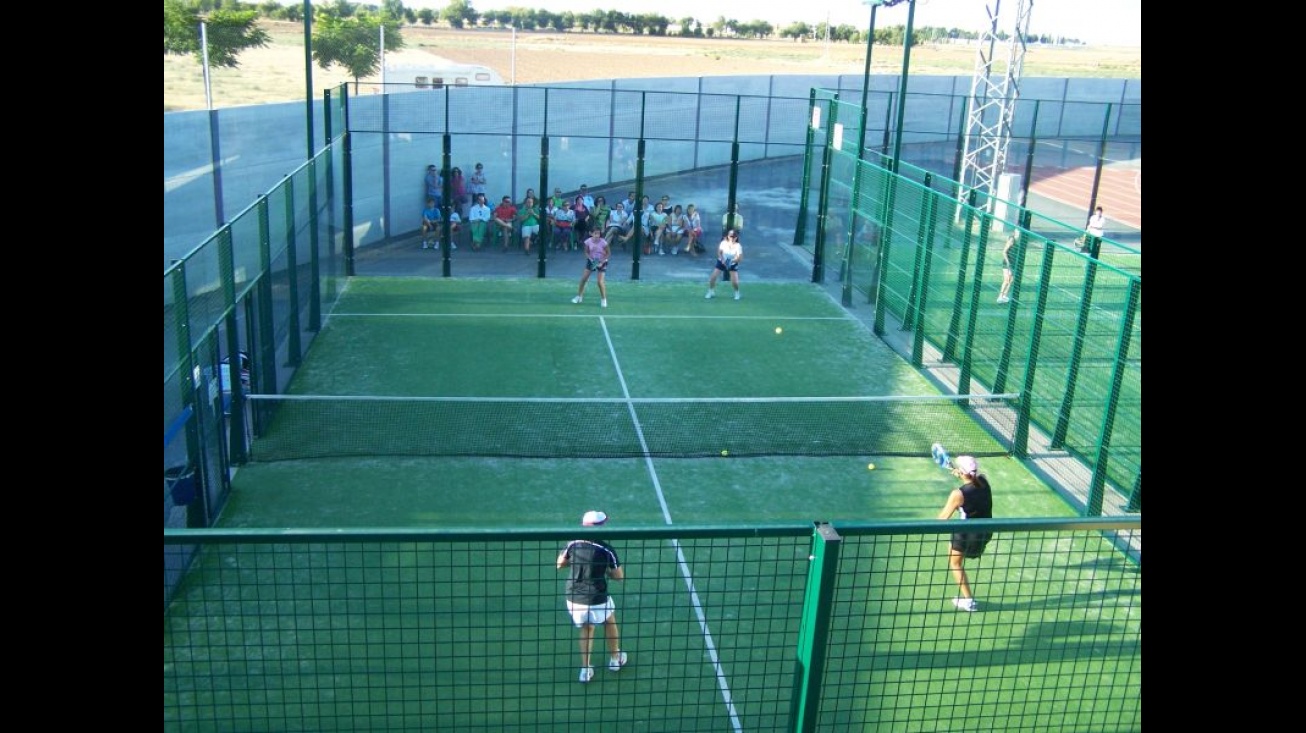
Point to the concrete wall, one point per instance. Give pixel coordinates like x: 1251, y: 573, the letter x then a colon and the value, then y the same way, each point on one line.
x: 688, y: 123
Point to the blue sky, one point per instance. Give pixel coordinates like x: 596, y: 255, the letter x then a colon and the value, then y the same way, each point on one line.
x: 1113, y: 22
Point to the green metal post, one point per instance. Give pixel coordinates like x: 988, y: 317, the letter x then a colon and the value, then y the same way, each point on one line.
x: 958, y: 153
x: 818, y: 248
x: 913, y: 294
x: 186, y: 390
x: 800, y: 230
x: 1020, y: 440
x: 639, y: 196
x: 866, y: 84
x: 732, y: 202
x: 639, y: 187
x: 314, y: 253
x: 227, y: 275
x: 968, y: 340
x: 1136, y: 495
x: 886, y: 242
x: 963, y: 263
x: 926, y: 246
x: 1029, y: 160
x: 814, y: 629
x: 846, y: 268
x: 541, y: 255
x: 347, y: 184
x: 308, y: 76
x: 1097, y: 486
x: 902, y: 89
x: 446, y: 194
x: 888, y: 114
x: 1076, y: 351
x: 1017, y: 269
x: 294, y: 347
x: 1101, y: 159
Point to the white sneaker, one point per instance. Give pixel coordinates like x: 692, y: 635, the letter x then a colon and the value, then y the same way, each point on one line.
x: 965, y: 604
x: 710, y: 295
x: 586, y: 674
x: 603, y: 303
x: 615, y: 665
x: 736, y: 295
x: 1004, y: 299
x: 577, y: 299
x: 423, y: 245
x: 452, y: 246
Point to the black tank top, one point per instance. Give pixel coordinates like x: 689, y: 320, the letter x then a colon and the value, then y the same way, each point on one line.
x: 977, y: 499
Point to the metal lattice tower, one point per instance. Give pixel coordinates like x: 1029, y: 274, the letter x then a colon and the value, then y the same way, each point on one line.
x: 993, y: 93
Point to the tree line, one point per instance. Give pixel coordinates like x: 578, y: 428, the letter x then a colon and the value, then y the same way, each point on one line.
x: 347, y: 33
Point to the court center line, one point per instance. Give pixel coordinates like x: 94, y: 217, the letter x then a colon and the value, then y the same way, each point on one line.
x: 680, y: 554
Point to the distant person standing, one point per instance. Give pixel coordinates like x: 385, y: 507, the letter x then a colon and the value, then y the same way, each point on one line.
x: 1097, y: 223
x: 597, y: 252
x: 476, y: 182
x: 434, y: 185
x: 1008, y: 275
x: 1096, y: 229
x: 591, y: 564
x: 729, y: 253
x: 974, y: 500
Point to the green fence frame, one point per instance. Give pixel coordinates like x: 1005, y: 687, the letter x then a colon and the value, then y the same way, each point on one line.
x: 1071, y: 337
x: 792, y: 627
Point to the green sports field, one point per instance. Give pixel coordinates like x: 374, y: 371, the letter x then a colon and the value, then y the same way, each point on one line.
x: 392, y: 585
x: 496, y: 339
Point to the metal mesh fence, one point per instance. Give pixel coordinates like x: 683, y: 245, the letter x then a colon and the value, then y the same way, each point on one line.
x: 929, y: 255
x: 425, y: 630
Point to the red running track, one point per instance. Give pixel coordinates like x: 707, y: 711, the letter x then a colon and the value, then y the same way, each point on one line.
x: 1120, y: 192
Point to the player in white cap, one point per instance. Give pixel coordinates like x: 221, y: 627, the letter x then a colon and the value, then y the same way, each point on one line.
x: 593, y: 563
x: 974, y: 500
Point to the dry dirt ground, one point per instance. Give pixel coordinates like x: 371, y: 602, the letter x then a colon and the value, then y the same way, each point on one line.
x: 276, y: 73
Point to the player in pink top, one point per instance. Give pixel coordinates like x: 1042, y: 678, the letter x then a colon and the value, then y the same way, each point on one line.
x: 597, y: 253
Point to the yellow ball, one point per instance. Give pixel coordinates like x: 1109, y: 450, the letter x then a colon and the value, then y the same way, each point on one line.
x: 725, y: 452
x: 779, y: 330
x: 870, y: 467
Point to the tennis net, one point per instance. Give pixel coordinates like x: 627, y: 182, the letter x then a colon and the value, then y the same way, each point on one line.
x: 292, y: 427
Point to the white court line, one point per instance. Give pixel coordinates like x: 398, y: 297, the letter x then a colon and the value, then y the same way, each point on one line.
x: 680, y: 554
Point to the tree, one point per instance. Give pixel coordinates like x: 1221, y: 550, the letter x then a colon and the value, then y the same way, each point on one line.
x: 354, y: 42
x: 797, y: 31
x: 459, y: 13
x: 229, y: 32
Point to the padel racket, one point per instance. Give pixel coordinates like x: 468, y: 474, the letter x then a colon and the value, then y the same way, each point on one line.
x: 941, y: 457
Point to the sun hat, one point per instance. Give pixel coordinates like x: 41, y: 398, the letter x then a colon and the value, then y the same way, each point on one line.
x: 593, y: 518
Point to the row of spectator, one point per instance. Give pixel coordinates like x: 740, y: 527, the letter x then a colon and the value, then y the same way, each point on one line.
x: 563, y: 223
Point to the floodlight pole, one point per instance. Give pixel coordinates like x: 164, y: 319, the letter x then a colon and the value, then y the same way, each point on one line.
x: 204, y: 47
x: 902, y: 85
x: 866, y: 81
x: 308, y: 74
x: 845, y: 274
